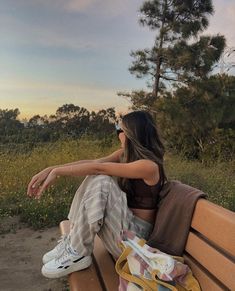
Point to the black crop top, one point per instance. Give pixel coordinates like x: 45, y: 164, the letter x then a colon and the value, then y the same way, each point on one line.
x: 145, y: 196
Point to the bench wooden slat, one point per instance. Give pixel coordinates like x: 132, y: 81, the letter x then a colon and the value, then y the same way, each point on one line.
x: 64, y: 227
x: 206, y: 281
x: 215, y: 223
x: 106, y: 265
x: 217, y: 264
x: 87, y: 279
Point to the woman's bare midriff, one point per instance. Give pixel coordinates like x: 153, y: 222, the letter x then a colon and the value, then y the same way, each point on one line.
x: 145, y: 214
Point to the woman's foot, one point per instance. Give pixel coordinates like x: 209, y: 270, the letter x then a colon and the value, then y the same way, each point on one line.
x: 70, y: 261
x: 57, y: 251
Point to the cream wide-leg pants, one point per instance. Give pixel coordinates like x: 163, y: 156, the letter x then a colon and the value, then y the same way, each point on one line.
x: 100, y: 207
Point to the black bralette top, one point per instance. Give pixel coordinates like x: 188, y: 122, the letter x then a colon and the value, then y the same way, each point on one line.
x: 145, y: 196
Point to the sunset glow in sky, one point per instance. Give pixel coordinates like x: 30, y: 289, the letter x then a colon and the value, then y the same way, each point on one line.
x: 54, y: 52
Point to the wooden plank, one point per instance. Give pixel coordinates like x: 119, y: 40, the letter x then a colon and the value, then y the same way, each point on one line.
x: 217, y: 264
x: 205, y: 280
x: 85, y: 279
x: 216, y: 223
x: 106, y: 266
x: 64, y: 227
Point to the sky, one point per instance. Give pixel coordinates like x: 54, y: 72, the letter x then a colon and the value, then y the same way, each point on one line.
x: 55, y: 52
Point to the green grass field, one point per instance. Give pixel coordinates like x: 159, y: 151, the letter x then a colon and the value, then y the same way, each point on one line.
x: 17, y: 166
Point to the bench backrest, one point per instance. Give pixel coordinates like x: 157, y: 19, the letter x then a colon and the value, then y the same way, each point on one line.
x: 210, y: 248
x: 210, y: 253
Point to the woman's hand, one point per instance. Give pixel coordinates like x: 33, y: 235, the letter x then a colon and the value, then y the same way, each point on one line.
x: 37, y: 180
x: 47, y: 182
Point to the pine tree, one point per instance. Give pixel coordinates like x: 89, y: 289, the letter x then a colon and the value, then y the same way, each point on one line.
x: 179, y: 54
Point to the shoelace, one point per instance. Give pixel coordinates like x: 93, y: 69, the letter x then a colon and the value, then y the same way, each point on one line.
x: 63, y: 256
x: 61, y: 242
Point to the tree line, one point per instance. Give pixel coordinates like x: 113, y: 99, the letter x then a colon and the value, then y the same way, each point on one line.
x: 69, y: 121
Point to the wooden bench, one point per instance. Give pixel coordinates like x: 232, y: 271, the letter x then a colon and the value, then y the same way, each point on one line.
x: 210, y: 253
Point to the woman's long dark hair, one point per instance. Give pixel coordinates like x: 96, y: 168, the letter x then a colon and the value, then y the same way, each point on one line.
x: 142, y: 142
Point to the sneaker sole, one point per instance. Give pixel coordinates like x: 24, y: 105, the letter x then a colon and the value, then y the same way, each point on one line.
x: 85, y: 263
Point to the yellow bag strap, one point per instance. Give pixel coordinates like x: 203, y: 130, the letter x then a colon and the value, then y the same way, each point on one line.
x: 122, y: 269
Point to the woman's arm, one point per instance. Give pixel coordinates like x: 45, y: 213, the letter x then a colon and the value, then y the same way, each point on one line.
x: 38, y: 179
x: 141, y: 169
x: 114, y: 157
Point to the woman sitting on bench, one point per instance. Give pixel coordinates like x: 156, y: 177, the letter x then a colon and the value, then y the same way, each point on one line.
x: 119, y: 192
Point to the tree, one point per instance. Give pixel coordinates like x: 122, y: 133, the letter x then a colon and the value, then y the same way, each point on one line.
x: 102, y: 122
x: 199, y: 120
x: 73, y: 119
x: 11, y: 114
x: 10, y: 127
x: 37, y: 121
x: 174, y: 56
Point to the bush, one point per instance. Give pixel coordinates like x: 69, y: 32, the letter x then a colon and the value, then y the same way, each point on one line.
x: 215, y: 179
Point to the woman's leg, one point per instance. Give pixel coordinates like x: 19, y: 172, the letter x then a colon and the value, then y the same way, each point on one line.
x: 59, y: 248
x: 78, y: 198
x: 99, y: 207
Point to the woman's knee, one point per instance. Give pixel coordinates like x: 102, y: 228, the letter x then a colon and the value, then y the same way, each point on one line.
x: 99, y: 180
x: 100, y: 177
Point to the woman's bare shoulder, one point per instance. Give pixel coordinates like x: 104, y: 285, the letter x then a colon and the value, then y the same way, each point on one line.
x: 151, y: 169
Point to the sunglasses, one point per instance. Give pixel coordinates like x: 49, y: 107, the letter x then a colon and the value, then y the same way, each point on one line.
x: 118, y: 129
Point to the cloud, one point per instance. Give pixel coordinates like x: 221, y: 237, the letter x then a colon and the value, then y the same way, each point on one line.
x: 23, y: 33
x: 33, y: 97
x: 70, y: 24
x: 15, y: 84
x: 79, y: 5
x: 107, y: 8
x: 223, y: 21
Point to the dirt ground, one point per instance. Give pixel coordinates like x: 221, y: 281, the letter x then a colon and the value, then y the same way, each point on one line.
x: 21, y: 251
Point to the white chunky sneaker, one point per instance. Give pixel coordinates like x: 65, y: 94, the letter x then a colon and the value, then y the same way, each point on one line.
x: 57, y: 251
x: 70, y: 261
